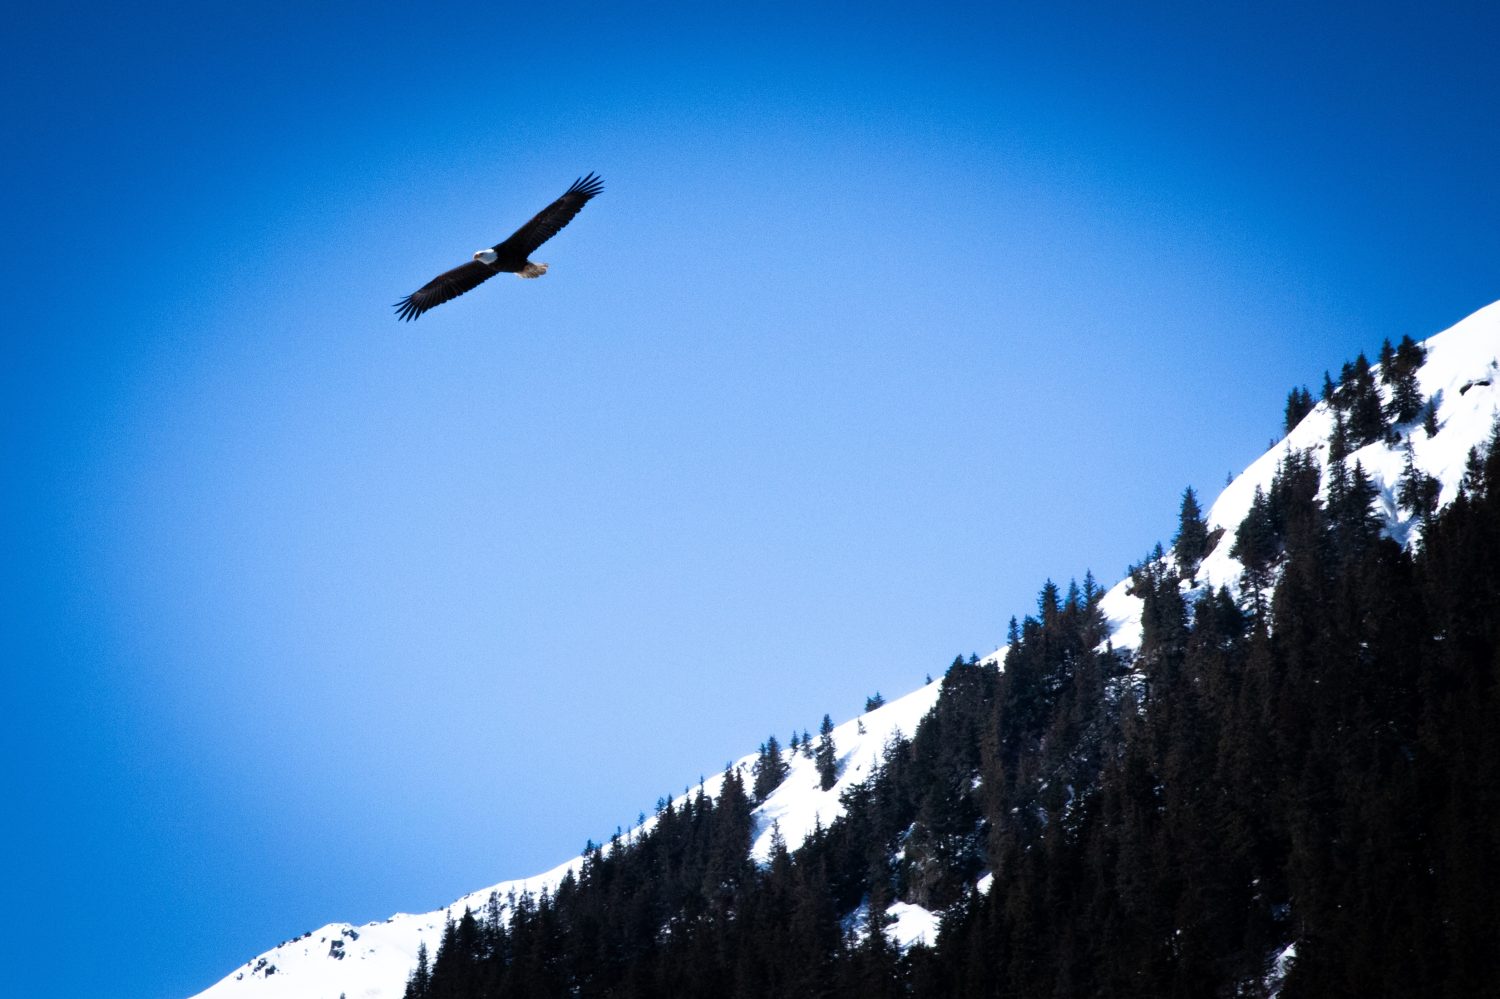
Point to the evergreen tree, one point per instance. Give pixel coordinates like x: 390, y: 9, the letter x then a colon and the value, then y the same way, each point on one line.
x: 1191, y: 542
x: 1417, y: 491
x: 1256, y: 547
x: 1361, y: 400
x: 1387, y: 361
x: 421, y: 976
x: 1339, y: 441
x: 1048, y: 603
x: 1351, y: 498
x: 1299, y: 402
x: 1293, y: 498
x: 769, y: 769
x: 827, y: 755
x: 1429, y: 419
x: 1399, y: 371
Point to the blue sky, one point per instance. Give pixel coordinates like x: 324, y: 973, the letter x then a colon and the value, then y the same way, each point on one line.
x: 883, y: 319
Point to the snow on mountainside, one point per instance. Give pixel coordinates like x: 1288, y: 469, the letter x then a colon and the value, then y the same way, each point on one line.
x: 1461, y: 374
x: 373, y: 961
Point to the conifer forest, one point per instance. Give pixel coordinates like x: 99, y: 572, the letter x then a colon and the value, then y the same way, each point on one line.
x: 1313, y: 761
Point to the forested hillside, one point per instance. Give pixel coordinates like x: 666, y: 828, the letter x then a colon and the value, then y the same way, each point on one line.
x: 1292, y: 786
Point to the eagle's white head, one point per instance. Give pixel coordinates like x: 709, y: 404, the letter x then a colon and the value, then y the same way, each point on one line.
x: 486, y: 256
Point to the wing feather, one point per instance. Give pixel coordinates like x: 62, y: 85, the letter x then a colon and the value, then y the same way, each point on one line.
x: 524, y: 241
x: 443, y: 288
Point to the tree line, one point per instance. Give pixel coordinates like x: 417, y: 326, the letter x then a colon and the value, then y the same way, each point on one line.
x: 1314, y: 764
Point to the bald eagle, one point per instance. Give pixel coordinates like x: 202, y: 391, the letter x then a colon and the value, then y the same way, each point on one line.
x: 509, y: 256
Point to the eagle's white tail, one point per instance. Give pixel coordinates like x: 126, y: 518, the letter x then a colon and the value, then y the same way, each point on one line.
x: 532, y: 270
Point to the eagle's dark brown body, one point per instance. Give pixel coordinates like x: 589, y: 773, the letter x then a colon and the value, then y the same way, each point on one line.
x: 510, y: 256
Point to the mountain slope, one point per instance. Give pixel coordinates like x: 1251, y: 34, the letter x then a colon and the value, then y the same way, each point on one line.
x: 373, y: 961
x: 1459, y: 374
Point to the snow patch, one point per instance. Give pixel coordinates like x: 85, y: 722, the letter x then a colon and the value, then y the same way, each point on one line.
x: 1281, y: 965
x: 911, y: 925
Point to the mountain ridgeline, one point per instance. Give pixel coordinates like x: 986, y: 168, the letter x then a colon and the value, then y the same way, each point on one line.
x: 1267, y: 763
x: 1315, y: 766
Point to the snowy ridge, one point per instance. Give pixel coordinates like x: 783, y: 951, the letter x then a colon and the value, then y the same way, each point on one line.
x: 373, y: 961
x: 1461, y: 374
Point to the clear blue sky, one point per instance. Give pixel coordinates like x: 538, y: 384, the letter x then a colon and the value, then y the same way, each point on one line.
x: 884, y: 317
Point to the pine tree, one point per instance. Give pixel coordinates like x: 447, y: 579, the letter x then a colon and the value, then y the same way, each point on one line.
x: 1473, y: 482
x: 1191, y: 542
x: 1048, y: 603
x: 1255, y: 545
x: 1361, y: 400
x: 727, y: 865
x: 1429, y: 419
x: 769, y: 770
x: 1339, y: 443
x: 827, y: 755
x: 1351, y: 498
x: 418, y: 984
x: 1401, y: 374
x: 1299, y: 403
x: 1417, y: 491
x: 1387, y: 361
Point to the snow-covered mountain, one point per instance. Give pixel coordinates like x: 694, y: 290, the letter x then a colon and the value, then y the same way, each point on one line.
x: 373, y: 961
x: 1461, y: 377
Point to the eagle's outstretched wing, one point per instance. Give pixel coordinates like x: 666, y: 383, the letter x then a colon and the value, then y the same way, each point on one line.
x: 547, y: 222
x: 445, y: 287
